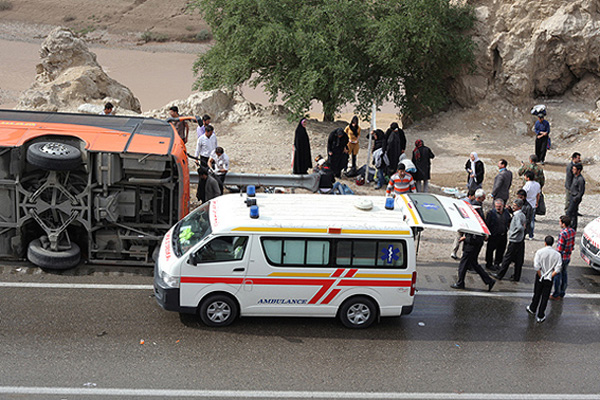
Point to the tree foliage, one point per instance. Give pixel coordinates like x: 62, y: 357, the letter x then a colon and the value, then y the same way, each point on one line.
x: 338, y: 51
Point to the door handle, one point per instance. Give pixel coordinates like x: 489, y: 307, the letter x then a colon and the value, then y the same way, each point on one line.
x: 239, y: 269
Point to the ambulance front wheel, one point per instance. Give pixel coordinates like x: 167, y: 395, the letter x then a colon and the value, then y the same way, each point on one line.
x: 358, y: 312
x: 218, y: 310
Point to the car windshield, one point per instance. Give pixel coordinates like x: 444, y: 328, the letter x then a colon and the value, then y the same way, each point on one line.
x: 191, y: 230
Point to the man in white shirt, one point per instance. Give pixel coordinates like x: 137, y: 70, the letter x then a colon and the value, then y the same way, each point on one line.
x: 109, y: 109
x: 533, y: 190
x: 547, y: 263
x: 202, y: 127
x: 207, y: 143
x: 219, y: 163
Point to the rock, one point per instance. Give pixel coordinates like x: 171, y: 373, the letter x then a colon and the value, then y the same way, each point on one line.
x: 568, y: 134
x: 527, y: 49
x: 521, y: 128
x: 69, y: 75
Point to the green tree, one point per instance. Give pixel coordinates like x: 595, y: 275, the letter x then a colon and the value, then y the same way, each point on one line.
x: 336, y: 51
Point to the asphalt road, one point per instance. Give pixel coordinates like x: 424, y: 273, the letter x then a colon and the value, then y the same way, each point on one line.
x: 79, y: 342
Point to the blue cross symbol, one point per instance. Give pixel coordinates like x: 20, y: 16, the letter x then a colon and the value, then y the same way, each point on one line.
x: 390, y: 254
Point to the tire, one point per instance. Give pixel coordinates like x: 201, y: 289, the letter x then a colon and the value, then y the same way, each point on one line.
x: 56, y: 260
x: 358, y: 312
x: 54, y: 156
x: 218, y: 310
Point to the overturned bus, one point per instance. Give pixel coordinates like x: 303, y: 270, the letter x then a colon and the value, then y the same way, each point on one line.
x: 93, y: 188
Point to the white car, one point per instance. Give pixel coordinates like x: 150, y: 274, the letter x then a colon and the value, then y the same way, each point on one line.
x: 590, y: 244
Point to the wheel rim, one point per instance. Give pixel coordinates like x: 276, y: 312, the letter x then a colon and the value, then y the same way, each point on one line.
x: 358, y: 313
x: 219, y: 311
x: 55, y: 149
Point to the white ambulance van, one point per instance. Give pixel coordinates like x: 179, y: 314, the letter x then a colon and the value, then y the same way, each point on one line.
x: 350, y: 257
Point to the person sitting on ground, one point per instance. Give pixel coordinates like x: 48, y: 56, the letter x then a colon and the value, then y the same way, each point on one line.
x: 327, y: 183
x: 109, y: 109
x: 401, y: 182
x: 219, y: 163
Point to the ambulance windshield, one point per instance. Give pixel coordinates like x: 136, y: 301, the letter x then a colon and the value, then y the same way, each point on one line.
x: 191, y: 230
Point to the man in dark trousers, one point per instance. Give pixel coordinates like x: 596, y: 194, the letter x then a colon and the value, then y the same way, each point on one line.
x: 471, y: 248
x: 497, y: 221
x: 547, y: 264
x: 575, y: 159
x: 337, y: 149
x: 502, y: 182
x: 516, y: 243
x: 577, y: 191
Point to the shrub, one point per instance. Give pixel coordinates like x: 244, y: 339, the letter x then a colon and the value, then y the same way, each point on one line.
x: 5, y: 5
x: 203, y: 35
x: 149, y: 36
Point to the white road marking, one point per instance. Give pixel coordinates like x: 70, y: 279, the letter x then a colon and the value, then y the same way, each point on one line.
x: 457, y: 293
x: 262, y: 394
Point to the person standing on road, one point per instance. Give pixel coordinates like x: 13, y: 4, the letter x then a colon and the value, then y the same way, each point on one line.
x: 475, y: 170
x: 353, y: 132
x: 302, y: 161
x: 547, y: 264
x: 497, y: 221
x: 457, y: 241
x: 542, y: 132
x: 538, y: 172
x: 533, y: 190
x: 566, y: 243
x: 575, y: 159
x: 527, y: 210
x: 515, y: 251
x: 502, y: 182
x: 421, y: 157
x: 471, y: 248
x: 577, y: 191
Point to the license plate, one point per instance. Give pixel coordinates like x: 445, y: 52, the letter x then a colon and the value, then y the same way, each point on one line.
x: 586, y: 259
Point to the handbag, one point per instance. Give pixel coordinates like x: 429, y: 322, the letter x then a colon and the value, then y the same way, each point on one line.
x: 541, y: 208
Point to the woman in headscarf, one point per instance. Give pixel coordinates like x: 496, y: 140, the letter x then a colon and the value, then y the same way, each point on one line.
x: 421, y: 157
x: 353, y: 132
x: 337, y: 150
x: 396, y: 144
x: 302, y: 161
x: 475, y: 170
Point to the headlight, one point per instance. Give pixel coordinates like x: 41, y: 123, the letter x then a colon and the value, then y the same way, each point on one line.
x: 169, y: 280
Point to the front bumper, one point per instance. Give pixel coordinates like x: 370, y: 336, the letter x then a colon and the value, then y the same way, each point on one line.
x: 167, y: 297
x: 591, y: 259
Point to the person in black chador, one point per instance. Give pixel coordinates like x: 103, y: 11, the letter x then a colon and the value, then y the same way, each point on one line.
x: 395, y: 146
x: 337, y: 150
x: 302, y: 158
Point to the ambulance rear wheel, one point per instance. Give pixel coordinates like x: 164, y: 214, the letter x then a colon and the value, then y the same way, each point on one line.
x: 218, y: 310
x: 358, y: 312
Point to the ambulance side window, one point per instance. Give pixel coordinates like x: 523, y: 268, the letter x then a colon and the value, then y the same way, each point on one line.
x: 296, y: 252
x: 223, y: 248
x: 366, y: 253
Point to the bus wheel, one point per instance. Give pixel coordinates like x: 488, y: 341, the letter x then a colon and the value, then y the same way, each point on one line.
x: 358, y: 312
x: 54, y: 156
x: 218, y: 310
x: 48, y: 259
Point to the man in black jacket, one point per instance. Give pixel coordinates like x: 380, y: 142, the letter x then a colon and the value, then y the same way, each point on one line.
x: 472, y: 247
x: 497, y: 221
x: 577, y: 191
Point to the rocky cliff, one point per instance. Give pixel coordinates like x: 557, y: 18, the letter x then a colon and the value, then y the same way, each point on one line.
x: 527, y: 49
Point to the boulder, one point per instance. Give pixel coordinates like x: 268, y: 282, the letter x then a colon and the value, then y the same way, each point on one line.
x: 69, y: 75
x: 526, y: 49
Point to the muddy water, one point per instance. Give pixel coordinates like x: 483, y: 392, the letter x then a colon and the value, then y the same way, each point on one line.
x: 156, y: 78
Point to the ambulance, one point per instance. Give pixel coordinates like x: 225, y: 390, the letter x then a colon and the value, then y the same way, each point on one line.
x: 350, y: 257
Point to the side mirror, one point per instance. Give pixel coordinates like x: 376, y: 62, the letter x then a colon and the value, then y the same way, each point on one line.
x: 193, y: 260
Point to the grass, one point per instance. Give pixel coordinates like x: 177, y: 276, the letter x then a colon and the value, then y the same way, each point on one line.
x: 5, y: 5
x: 149, y: 36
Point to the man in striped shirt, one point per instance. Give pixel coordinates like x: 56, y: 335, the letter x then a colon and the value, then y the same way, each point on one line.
x: 401, y: 182
x: 566, y: 243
